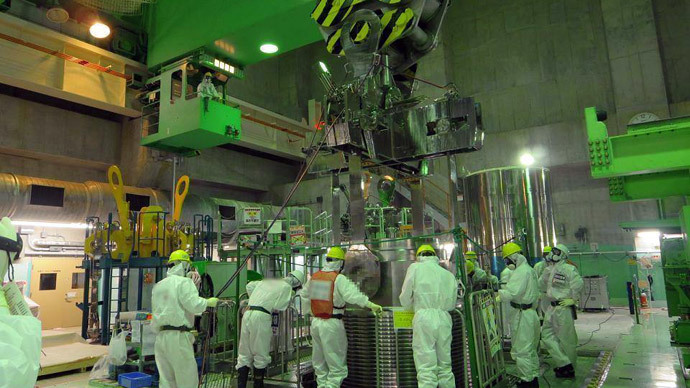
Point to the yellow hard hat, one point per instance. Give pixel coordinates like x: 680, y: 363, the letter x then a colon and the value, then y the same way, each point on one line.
x: 471, y: 255
x: 336, y: 253
x: 208, y: 74
x: 469, y: 266
x: 511, y: 248
x: 179, y: 255
x: 547, y: 249
x: 426, y: 248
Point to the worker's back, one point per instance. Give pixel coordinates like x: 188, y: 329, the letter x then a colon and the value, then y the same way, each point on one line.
x: 433, y: 287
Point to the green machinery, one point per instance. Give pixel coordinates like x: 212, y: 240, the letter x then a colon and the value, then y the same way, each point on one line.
x: 652, y: 161
x: 176, y: 118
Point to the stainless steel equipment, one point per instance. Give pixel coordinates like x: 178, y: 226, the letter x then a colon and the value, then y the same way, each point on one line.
x: 595, y: 293
x: 510, y: 203
x: 380, y: 355
x: 379, y: 268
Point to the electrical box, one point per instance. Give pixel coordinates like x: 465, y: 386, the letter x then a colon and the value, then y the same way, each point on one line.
x: 595, y: 293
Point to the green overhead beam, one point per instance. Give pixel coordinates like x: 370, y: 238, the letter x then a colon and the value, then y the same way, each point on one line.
x: 655, y: 147
x: 230, y: 28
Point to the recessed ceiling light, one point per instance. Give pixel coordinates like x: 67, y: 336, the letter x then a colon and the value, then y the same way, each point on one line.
x: 324, y: 68
x: 268, y: 48
x: 99, y: 30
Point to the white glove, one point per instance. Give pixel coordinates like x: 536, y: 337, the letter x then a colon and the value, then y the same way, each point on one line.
x: 212, y: 302
x: 375, y: 308
x: 567, y: 302
x: 196, y: 278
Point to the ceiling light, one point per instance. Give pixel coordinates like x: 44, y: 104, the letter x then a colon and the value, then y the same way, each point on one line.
x: 527, y: 160
x: 268, y: 48
x: 324, y: 68
x: 99, y: 30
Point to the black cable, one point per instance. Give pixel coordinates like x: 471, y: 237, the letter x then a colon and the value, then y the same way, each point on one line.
x: 591, y: 335
x: 292, y: 192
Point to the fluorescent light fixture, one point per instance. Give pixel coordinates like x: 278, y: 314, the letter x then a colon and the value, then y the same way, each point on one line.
x: 527, y: 160
x: 57, y: 225
x: 99, y: 30
x: 216, y: 63
x: 323, y: 67
x: 268, y: 48
x: 649, y: 234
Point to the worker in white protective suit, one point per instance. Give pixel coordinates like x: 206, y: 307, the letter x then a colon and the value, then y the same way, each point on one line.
x: 207, y: 90
x: 522, y: 292
x: 539, y: 268
x: 478, y: 278
x: 326, y: 294
x: 175, y: 301
x: 431, y: 291
x: 265, y: 297
x: 20, y: 332
x: 562, y: 284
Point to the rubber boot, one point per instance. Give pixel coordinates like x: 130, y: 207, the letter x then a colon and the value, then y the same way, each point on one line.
x: 242, y: 377
x: 259, y: 375
x: 565, y: 372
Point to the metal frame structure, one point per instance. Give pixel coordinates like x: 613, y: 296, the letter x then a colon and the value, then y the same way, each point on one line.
x: 652, y: 161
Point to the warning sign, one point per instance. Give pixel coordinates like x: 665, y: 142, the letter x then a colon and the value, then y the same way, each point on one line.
x: 298, y: 235
x: 403, y: 319
x: 252, y: 216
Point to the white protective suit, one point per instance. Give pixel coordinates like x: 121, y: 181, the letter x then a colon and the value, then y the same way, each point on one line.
x: 20, y: 335
x: 539, y: 269
x: 560, y: 281
x: 431, y: 291
x: 206, y: 89
x: 507, y: 312
x: 255, y: 338
x: 329, y: 355
x: 522, y: 289
x: 175, y: 301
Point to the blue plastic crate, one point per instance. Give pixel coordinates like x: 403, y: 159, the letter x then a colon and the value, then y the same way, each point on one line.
x: 134, y: 380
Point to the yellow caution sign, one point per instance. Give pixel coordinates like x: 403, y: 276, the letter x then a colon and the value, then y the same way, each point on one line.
x: 403, y: 319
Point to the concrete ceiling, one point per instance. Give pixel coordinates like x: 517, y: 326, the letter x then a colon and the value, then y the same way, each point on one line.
x: 232, y: 28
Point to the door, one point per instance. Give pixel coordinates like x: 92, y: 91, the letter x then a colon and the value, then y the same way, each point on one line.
x: 57, y: 285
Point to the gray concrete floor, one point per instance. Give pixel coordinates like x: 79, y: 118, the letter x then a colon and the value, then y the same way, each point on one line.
x: 642, y: 355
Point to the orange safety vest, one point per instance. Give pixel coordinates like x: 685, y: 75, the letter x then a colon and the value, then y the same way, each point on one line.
x: 321, y: 294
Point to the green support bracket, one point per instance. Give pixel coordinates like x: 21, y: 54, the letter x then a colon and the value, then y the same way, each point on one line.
x: 649, y: 186
x: 655, y: 147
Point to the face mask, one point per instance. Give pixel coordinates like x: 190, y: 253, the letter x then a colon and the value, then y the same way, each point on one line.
x: 556, y: 255
x: 510, y: 264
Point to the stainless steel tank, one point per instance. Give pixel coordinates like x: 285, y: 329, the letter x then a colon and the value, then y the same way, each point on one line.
x: 506, y: 203
x: 379, y: 268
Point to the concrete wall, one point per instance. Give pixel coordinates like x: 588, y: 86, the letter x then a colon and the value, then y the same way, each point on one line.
x: 674, y: 34
x: 47, y: 138
x: 534, y: 65
x: 284, y: 84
